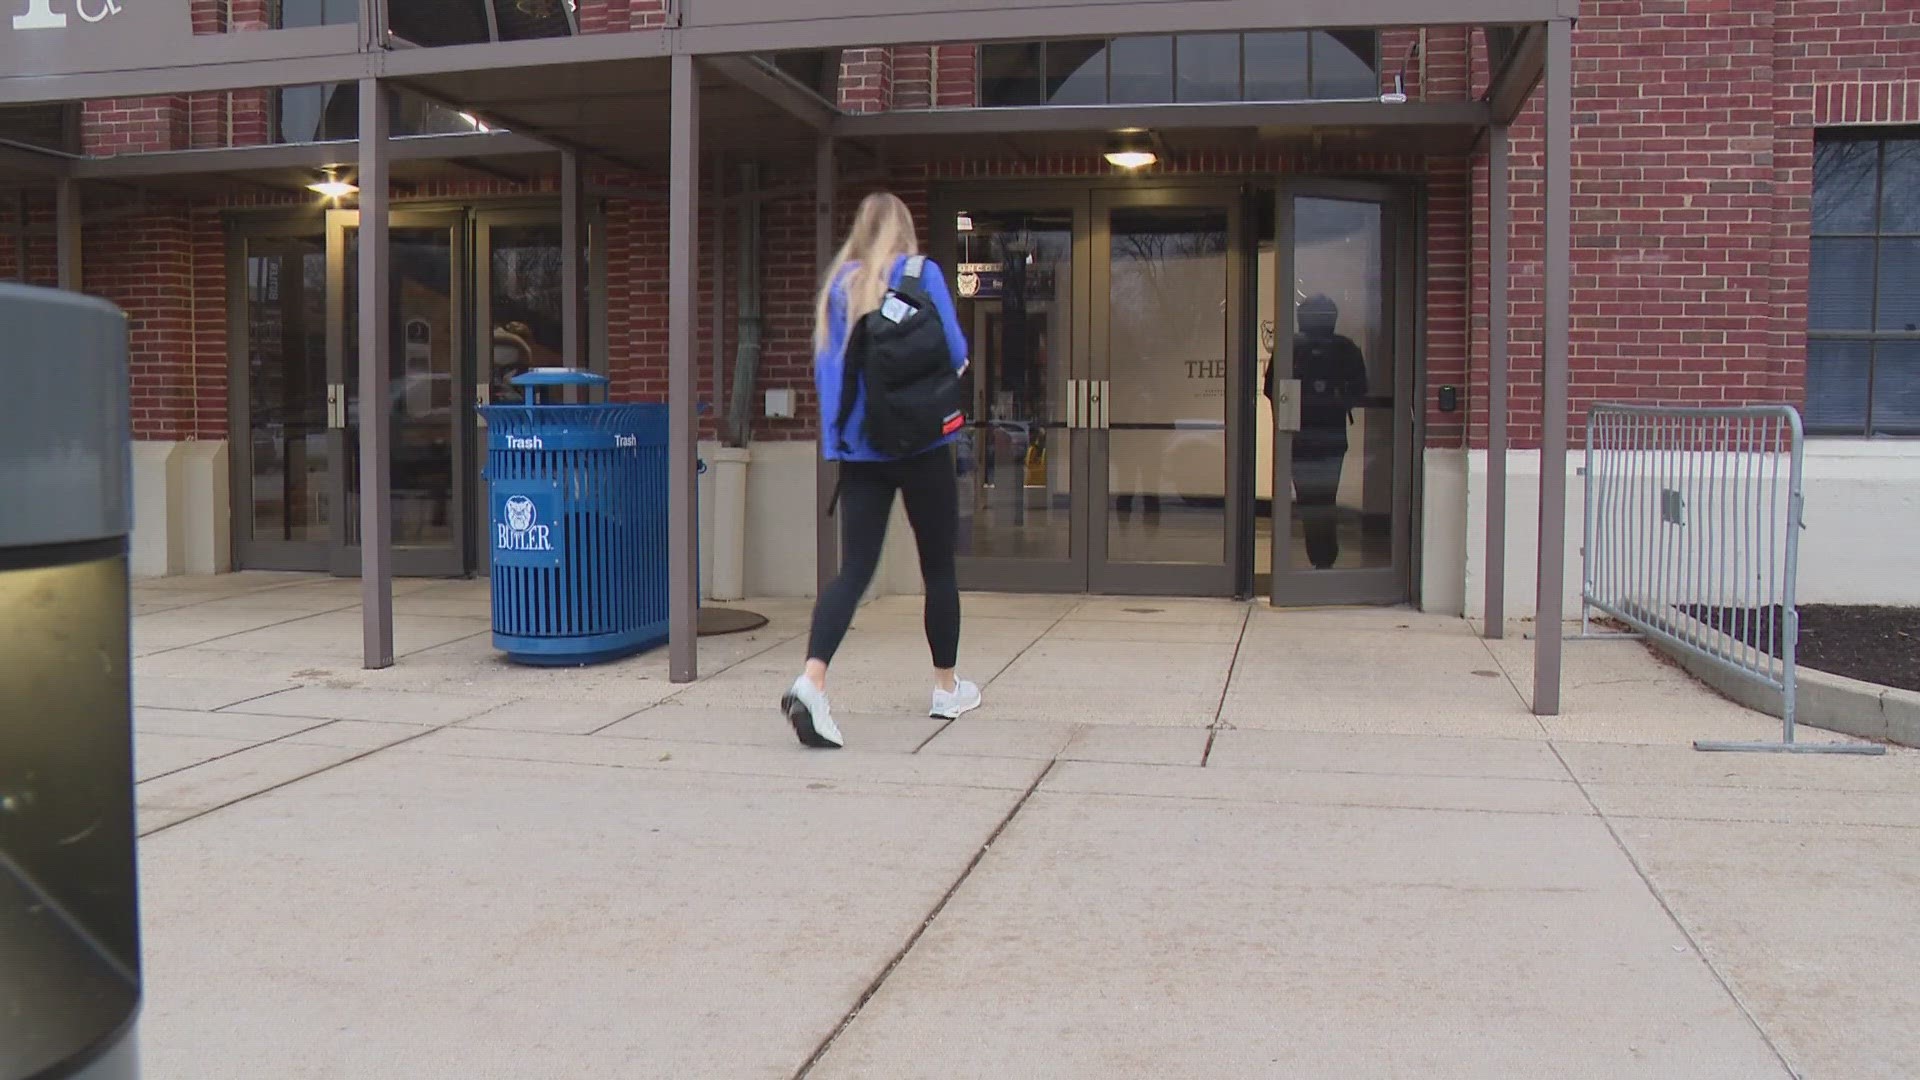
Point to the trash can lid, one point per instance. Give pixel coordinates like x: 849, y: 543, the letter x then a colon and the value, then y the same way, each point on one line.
x: 69, y: 472
x: 558, y: 376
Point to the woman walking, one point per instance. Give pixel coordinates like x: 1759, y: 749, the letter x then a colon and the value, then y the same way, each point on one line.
x: 879, y: 252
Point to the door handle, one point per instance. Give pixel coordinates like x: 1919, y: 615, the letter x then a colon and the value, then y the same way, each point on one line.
x: 336, y: 407
x: 1286, y: 404
x: 482, y: 397
x: 1096, y: 412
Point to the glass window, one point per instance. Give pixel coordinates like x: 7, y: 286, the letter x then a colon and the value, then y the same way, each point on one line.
x: 1208, y: 67
x: 50, y: 127
x: 292, y: 14
x: 1276, y: 67
x: 1140, y: 70
x: 520, y: 20
x: 1344, y: 64
x: 1292, y: 66
x: 1010, y: 74
x: 1843, y: 186
x: 1840, y: 296
x: 1076, y: 72
x: 1863, y: 289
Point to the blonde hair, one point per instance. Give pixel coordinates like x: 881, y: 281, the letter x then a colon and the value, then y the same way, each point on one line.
x: 882, y: 232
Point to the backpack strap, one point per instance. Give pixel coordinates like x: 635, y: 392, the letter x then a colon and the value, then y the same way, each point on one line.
x: 851, y: 361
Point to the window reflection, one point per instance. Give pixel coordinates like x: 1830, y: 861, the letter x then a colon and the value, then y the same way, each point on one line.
x: 1013, y: 287
x: 1279, y: 66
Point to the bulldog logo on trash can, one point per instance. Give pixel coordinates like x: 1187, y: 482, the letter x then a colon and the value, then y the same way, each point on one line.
x: 521, y: 530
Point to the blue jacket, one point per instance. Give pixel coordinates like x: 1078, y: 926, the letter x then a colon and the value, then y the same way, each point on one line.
x: 829, y: 362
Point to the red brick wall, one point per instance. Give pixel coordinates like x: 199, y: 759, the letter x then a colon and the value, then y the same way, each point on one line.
x: 147, y: 265
x: 1693, y: 156
x: 956, y: 76
x: 866, y: 80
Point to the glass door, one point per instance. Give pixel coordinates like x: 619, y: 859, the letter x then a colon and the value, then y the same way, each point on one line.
x: 1340, y: 396
x: 1166, y: 314
x: 284, y: 504
x: 1013, y: 263
x: 517, y: 298
x: 427, y: 386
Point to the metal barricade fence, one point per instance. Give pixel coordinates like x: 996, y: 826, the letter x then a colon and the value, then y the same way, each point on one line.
x: 1693, y: 520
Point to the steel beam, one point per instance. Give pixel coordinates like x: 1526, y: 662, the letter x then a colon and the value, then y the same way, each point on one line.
x: 754, y: 26
x: 573, y: 264
x: 67, y: 233
x: 22, y: 245
x: 1517, y: 74
x: 717, y: 299
x: 777, y: 88
x: 242, y: 159
x: 1558, y: 159
x: 1044, y: 119
x: 683, y: 261
x: 1499, y: 226
x: 826, y: 473
x: 376, y: 344
x: 34, y: 163
x: 206, y: 63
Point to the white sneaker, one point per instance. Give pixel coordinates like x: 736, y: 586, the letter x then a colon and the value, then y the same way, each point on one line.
x: 950, y: 704
x: 812, y: 718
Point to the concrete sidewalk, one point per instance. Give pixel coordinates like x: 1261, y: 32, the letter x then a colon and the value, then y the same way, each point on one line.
x: 1184, y: 838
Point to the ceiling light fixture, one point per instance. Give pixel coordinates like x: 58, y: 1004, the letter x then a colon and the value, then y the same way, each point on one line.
x: 1131, y: 149
x: 333, y: 187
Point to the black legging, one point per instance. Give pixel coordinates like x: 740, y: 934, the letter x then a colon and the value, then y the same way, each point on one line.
x: 926, y: 482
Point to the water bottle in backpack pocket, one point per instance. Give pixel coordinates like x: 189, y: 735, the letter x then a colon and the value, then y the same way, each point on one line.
x: 898, y: 354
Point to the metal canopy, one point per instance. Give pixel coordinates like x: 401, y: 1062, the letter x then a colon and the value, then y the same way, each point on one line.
x: 118, y: 58
x: 639, y: 99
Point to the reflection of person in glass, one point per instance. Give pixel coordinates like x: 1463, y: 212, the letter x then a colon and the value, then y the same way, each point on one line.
x: 1333, y: 382
x: 512, y: 355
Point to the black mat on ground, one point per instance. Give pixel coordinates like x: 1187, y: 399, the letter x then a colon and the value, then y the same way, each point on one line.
x: 715, y: 621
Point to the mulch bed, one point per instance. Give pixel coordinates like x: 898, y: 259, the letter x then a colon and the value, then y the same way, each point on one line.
x: 1876, y: 644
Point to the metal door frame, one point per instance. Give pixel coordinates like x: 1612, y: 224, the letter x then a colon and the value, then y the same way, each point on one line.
x: 249, y: 553
x: 482, y: 220
x: 1069, y: 575
x: 439, y: 561
x: 1392, y: 584
x: 1183, y: 579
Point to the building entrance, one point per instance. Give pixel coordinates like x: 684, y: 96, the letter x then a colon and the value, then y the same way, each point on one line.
x: 476, y: 299
x: 1129, y: 425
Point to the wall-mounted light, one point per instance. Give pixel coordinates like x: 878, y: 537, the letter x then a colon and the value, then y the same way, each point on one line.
x: 963, y: 222
x: 333, y: 187
x: 475, y: 122
x: 1131, y: 149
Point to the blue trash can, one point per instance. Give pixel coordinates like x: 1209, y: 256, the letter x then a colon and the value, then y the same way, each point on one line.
x: 578, y: 530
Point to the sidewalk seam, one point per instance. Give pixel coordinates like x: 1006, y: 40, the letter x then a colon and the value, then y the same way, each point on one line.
x: 1673, y: 917
x: 1004, y: 668
x: 197, y: 815
x: 1226, y: 685
x: 873, y: 988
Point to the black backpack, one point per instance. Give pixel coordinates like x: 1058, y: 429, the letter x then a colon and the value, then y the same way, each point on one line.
x: 899, y: 352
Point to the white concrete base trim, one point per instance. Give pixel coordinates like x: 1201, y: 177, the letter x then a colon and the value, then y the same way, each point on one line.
x: 1863, y: 510
x: 1831, y: 702
x: 182, y: 512
x: 206, y: 501
x: 158, y: 547
x: 728, y: 465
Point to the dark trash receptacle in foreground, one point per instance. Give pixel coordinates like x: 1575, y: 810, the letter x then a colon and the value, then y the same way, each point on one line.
x: 578, y: 531
x: 70, y: 983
